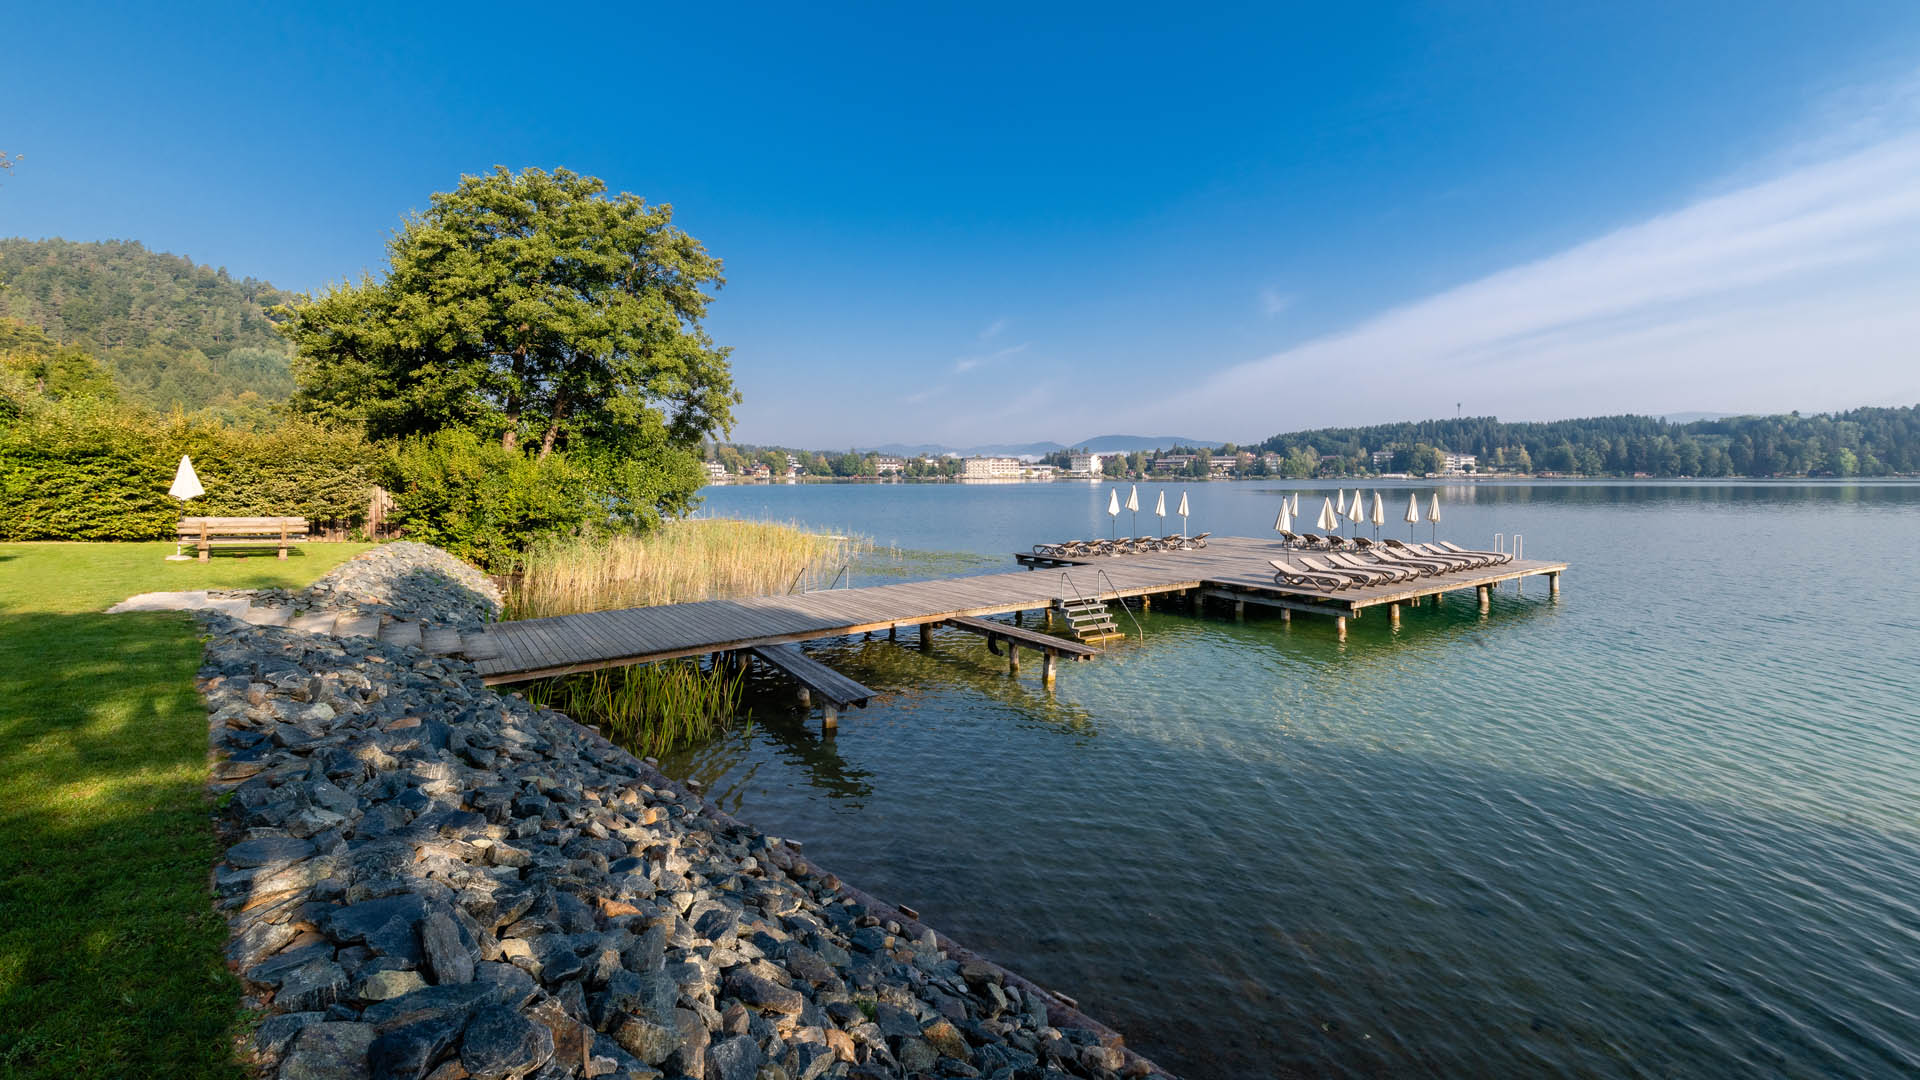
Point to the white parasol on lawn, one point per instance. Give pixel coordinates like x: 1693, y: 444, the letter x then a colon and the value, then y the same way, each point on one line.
x: 1413, y: 513
x: 1113, y: 512
x: 186, y: 483
x: 1183, y: 513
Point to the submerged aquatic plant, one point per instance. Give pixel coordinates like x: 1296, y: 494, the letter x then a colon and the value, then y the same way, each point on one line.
x: 650, y: 709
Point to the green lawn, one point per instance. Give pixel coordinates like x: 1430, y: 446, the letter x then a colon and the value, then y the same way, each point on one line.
x: 110, y: 958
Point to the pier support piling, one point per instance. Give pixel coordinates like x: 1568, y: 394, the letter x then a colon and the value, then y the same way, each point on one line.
x: 1553, y: 585
x: 1393, y: 615
x: 829, y: 717
x: 893, y: 633
x: 1018, y: 616
x: 1286, y: 615
x: 1013, y: 658
x: 1486, y: 597
x: 1340, y: 627
x: 1239, y: 611
x: 926, y: 637
x: 806, y: 698
x: 1046, y: 668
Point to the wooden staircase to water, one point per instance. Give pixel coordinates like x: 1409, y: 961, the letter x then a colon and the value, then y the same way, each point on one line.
x: 1091, y: 621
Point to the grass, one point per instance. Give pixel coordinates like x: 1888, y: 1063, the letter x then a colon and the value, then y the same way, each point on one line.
x: 650, y: 709
x: 110, y: 952
x: 695, y: 559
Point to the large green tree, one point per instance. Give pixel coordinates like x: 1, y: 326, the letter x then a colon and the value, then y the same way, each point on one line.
x: 534, y: 309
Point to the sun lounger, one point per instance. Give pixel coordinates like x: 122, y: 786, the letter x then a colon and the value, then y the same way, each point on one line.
x: 1199, y: 541
x: 1358, y: 577
x: 1395, y: 552
x: 1498, y: 557
x: 1284, y: 574
x: 1471, y: 561
x: 1394, y: 571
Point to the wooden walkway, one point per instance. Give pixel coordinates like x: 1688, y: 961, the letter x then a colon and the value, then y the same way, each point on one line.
x: 1229, y: 567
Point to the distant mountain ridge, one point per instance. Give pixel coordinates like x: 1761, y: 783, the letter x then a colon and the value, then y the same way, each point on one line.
x: 1105, y: 444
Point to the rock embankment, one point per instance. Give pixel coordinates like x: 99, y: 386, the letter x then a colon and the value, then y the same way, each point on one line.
x: 425, y: 878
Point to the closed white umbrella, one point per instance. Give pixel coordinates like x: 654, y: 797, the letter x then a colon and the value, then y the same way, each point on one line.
x: 1329, y: 521
x: 1113, y: 512
x: 1413, y: 513
x: 1296, y: 504
x: 1379, y: 515
x: 1133, y: 504
x: 1355, y: 515
x: 1183, y: 513
x: 1433, y: 515
x: 1340, y: 506
x: 186, y: 483
x: 1284, y: 524
x: 1160, y: 509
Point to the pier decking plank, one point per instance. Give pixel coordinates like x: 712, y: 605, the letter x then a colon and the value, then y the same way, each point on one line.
x: 557, y: 645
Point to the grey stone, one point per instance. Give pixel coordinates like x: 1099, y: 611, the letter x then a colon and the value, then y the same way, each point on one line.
x: 448, y: 958
x: 737, y: 1058
x: 410, y: 1051
x: 763, y: 993
x: 454, y: 999
x: 690, y: 1058
x: 271, y: 1038
x: 917, y: 1055
x: 312, y: 987
x: 385, y: 984
x: 501, y: 1044
x: 650, y: 1042
x: 269, y: 851
x: 329, y: 1051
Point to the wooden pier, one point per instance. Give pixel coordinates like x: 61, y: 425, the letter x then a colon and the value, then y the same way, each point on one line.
x: 1231, y: 570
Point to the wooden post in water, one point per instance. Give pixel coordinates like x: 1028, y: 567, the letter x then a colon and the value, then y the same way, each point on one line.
x: 1393, y: 615
x: 829, y: 717
x: 1553, y: 585
x: 893, y: 632
x: 1013, y: 658
x: 1340, y: 627
x: 926, y: 637
x: 1286, y: 615
x: 1146, y: 602
x: 1046, y: 669
x: 1239, y: 610
x: 1486, y: 597
x: 1017, y: 617
x: 806, y: 698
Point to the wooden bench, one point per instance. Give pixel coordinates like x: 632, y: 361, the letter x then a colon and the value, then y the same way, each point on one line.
x: 835, y: 690
x: 207, y: 533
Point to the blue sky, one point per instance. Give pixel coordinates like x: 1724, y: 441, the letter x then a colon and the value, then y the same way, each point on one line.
x: 970, y: 224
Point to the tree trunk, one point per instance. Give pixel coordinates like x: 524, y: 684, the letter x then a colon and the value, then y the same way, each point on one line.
x: 553, y: 425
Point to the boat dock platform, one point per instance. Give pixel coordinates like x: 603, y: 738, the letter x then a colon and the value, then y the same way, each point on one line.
x: 1232, y: 570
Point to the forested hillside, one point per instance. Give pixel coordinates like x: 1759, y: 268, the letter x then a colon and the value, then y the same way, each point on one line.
x: 168, y: 331
x: 1859, y: 442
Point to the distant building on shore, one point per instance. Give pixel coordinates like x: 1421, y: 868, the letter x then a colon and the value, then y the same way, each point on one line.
x: 888, y: 466
x: 1459, y: 464
x: 716, y: 471
x: 1037, y: 471
x: 1089, y: 464
x: 990, y: 468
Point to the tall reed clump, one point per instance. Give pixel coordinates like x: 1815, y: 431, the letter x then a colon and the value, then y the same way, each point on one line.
x: 650, y: 709
x: 691, y: 559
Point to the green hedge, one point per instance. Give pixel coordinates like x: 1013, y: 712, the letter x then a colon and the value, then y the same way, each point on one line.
x: 90, y: 471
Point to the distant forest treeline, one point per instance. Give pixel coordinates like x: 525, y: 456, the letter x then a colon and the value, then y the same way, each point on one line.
x: 168, y: 332
x: 1859, y: 442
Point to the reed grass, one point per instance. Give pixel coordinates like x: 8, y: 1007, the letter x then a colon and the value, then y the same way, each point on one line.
x: 692, y: 559
x: 650, y: 709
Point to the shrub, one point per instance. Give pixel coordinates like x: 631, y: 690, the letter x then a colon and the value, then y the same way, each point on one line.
x: 94, y: 470
x: 480, y: 501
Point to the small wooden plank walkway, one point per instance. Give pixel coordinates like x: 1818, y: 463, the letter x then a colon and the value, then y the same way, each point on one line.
x: 1235, y: 566
x: 816, y: 679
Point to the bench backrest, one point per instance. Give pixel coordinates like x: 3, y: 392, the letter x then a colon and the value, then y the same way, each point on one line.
x: 243, y: 526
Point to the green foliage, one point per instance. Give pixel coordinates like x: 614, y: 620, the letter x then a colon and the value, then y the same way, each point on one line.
x: 89, y: 470
x: 1877, y: 441
x: 171, y: 333
x: 481, y: 501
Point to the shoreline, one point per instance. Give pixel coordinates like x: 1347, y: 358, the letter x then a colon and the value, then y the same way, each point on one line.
x: 425, y: 877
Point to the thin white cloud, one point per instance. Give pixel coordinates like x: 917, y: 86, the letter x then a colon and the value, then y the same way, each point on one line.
x: 968, y: 363
x: 994, y: 329
x: 1798, y: 291
x: 919, y: 396
x: 1273, y: 301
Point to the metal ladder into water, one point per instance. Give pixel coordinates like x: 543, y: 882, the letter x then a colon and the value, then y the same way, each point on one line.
x: 1090, y: 618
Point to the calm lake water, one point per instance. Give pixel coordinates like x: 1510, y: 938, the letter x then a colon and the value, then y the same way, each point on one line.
x: 1667, y: 826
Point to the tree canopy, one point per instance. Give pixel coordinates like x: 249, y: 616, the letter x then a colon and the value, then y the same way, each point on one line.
x: 530, y: 307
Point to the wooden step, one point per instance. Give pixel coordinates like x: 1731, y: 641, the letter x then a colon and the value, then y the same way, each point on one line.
x: 357, y: 626
x: 440, y: 642
x: 1092, y: 639
x: 406, y: 634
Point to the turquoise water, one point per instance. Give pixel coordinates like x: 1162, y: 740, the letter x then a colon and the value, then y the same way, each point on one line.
x: 1668, y: 825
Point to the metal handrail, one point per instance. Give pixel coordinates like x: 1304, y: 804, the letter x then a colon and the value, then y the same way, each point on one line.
x: 846, y: 570
x: 1101, y: 573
